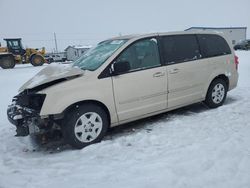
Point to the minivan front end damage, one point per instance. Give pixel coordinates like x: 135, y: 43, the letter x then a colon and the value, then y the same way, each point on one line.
x: 24, y: 111
x: 24, y: 114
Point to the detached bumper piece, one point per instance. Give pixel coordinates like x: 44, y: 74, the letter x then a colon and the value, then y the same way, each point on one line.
x: 24, y: 114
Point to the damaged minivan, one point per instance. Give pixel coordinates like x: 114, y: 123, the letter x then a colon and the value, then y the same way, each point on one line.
x: 125, y: 79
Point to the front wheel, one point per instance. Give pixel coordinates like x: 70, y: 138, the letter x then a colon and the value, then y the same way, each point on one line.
x: 37, y: 60
x: 85, y: 125
x: 216, y: 94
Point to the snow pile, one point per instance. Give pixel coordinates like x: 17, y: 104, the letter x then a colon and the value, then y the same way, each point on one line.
x: 190, y: 147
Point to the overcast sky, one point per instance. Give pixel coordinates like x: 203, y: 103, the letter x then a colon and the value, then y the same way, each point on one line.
x: 90, y: 21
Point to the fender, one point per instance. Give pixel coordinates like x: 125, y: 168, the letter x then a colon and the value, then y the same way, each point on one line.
x: 61, y: 96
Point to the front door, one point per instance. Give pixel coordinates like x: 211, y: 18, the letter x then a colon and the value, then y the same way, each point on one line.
x: 143, y: 89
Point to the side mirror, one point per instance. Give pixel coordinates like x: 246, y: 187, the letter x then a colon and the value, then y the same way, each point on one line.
x: 120, y: 67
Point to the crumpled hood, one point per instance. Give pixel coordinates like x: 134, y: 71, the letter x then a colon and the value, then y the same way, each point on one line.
x: 51, y: 73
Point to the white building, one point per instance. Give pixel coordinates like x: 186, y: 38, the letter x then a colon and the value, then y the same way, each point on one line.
x: 235, y: 34
x: 74, y: 52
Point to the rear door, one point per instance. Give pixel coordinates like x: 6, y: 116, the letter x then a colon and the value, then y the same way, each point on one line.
x: 143, y: 89
x: 186, y: 70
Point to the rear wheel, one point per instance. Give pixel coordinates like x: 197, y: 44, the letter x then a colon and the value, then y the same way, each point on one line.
x: 7, y: 62
x: 216, y: 94
x: 85, y: 125
x: 37, y: 60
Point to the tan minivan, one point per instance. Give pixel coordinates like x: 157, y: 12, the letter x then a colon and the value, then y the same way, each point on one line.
x: 125, y: 79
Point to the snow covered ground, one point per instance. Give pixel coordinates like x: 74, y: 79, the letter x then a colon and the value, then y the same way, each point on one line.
x: 191, y: 147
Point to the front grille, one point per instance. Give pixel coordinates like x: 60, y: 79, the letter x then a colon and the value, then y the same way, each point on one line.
x: 33, y: 101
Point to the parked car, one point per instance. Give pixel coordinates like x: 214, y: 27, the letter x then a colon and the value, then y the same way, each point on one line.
x: 243, y: 45
x: 125, y: 79
x: 48, y: 59
x: 60, y: 57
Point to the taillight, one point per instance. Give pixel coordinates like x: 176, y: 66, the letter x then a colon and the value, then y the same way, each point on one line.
x: 236, y: 61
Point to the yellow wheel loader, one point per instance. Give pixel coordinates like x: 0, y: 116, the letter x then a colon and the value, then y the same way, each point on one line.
x: 15, y: 53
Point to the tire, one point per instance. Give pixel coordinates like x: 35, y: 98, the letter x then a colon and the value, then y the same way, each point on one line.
x: 85, y: 125
x: 37, y: 60
x: 216, y: 94
x: 7, y: 62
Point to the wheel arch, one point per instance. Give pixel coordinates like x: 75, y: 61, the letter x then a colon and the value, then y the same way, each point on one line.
x: 220, y: 76
x: 223, y: 77
x: 95, y: 102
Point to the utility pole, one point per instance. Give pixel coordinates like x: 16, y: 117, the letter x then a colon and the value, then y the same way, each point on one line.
x: 55, y: 42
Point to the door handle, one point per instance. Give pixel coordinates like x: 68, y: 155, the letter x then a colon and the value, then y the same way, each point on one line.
x: 174, y: 71
x: 158, y: 74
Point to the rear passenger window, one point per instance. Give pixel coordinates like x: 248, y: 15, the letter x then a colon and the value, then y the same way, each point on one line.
x: 180, y: 48
x: 213, y: 45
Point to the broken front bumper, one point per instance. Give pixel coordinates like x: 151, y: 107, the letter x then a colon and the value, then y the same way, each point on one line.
x: 26, y: 119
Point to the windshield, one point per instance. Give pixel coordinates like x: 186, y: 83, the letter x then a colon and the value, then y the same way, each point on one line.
x: 14, y: 44
x: 95, y: 57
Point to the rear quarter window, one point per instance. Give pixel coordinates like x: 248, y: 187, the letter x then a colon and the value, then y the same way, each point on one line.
x: 213, y: 45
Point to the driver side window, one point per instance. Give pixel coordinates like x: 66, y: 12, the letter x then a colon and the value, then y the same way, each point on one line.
x: 141, y: 55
